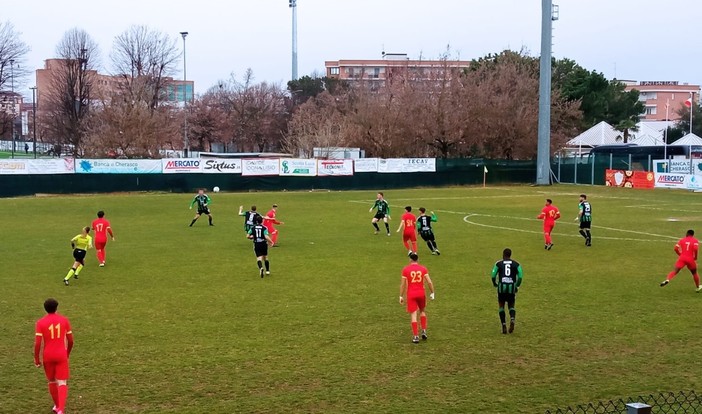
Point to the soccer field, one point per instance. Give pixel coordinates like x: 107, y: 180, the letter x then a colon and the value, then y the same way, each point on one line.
x: 180, y: 322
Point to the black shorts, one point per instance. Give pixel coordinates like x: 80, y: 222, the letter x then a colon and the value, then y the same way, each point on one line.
x: 379, y: 216
x: 79, y: 255
x: 509, y: 298
x: 203, y: 211
x: 261, y: 249
x: 427, y: 235
x: 585, y: 224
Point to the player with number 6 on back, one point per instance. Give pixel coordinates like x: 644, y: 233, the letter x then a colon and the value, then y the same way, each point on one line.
x: 54, y: 331
x: 412, y: 287
x: 507, y: 277
x: 686, y: 249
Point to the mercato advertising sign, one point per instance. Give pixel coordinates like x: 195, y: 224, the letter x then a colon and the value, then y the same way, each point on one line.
x: 681, y: 181
x: 201, y: 165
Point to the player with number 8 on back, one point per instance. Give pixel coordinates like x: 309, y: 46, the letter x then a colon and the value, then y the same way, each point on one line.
x: 507, y: 277
x: 412, y: 287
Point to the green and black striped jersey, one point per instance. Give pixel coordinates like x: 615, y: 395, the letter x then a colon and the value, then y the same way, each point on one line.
x: 382, y: 206
x: 507, y: 276
x: 586, y: 211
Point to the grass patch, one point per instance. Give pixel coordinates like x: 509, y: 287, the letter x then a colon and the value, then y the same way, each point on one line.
x: 179, y: 321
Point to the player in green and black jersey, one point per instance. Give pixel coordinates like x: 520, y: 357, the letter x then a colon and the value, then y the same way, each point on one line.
x: 585, y: 218
x: 382, y: 213
x: 507, y: 277
x: 203, y: 206
x: 250, y: 217
x: 258, y: 233
x: 425, y: 230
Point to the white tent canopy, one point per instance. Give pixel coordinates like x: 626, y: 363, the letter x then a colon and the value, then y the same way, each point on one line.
x: 689, y: 139
x: 600, y: 134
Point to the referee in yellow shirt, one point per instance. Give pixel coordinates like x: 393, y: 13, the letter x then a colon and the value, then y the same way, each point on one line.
x: 80, y: 244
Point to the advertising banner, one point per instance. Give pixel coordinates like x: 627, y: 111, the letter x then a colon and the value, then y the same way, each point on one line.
x: 629, y: 179
x: 221, y: 166
x: 334, y: 167
x: 406, y: 165
x: 680, y: 181
x: 201, y: 165
x: 111, y: 166
x: 260, y: 166
x: 180, y: 165
x: 51, y: 166
x: 40, y: 166
x: 11, y: 166
x: 300, y: 167
x: 365, y: 165
x: 678, y: 166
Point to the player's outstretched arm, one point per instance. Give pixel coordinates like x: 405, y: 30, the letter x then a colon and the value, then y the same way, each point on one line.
x: 402, y: 225
x: 433, y: 217
x: 493, y: 276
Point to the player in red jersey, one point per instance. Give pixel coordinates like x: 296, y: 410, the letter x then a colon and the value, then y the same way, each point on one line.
x: 686, y: 249
x: 549, y: 214
x: 269, y: 221
x: 55, y: 331
x: 101, y: 227
x: 412, y: 285
x: 410, y: 231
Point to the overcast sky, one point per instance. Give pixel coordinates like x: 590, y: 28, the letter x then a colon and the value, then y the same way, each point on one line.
x: 629, y: 39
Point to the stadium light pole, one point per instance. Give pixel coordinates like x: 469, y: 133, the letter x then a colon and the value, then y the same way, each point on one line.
x: 12, y: 96
x: 543, y: 154
x: 34, y: 118
x: 293, y: 5
x: 186, y: 144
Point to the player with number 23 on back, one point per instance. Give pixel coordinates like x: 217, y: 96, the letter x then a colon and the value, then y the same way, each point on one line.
x: 412, y: 287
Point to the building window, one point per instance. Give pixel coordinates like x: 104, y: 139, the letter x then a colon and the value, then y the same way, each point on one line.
x: 334, y: 71
x: 651, y: 110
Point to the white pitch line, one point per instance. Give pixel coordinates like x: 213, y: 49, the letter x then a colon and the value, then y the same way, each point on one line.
x: 467, y: 217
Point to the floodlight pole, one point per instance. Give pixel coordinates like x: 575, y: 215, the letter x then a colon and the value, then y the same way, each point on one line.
x: 34, y: 118
x: 186, y: 143
x: 543, y: 154
x: 293, y: 5
x: 12, y: 96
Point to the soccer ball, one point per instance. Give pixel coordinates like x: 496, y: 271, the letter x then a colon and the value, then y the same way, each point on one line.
x: 216, y: 189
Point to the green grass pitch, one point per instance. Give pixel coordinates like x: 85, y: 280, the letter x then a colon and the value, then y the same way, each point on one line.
x: 179, y: 321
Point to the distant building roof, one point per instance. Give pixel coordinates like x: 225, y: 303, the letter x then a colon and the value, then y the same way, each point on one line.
x: 600, y: 134
x: 689, y: 139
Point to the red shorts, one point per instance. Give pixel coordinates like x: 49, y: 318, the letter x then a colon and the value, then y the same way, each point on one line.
x: 416, y: 302
x: 56, y: 370
x: 409, y: 236
x: 100, y: 244
x: 548, y: 227
x: 688, y: 262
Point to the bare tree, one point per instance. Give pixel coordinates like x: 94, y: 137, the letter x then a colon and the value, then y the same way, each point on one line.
x: 208, y: 121
x: 317, y: 123
x: 258, y: 113
x: 144, y: 58
x: 70, y: 89
x: 13, y: 51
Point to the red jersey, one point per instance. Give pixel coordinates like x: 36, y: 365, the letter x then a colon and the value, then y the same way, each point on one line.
x: 414, y: 274
x: 101, y: 227
x: 687, y: 247
x: 55, y: 331
x: 550, y: 214
x: 410, y: 221
x: 269, y: 221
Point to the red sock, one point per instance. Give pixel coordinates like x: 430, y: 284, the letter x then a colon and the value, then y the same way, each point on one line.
x: 415, y: 331
x: 696, y: 276
x: 414, y: 246
x: 423, y: 320
x: 274, y: 237
x: 62, y: 395
x: 406, y: 243
x: 547, y: 237
x: 53, y: 390
x: 670, y: 276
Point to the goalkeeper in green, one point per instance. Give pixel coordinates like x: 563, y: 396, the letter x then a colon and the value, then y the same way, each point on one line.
x: 203, y: 206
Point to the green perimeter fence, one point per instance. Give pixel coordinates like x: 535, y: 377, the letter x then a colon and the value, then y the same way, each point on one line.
x: 590, y: 168
x: 449, y: 172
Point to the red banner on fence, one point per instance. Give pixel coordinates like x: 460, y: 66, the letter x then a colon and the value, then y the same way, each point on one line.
x: 629, y: 179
